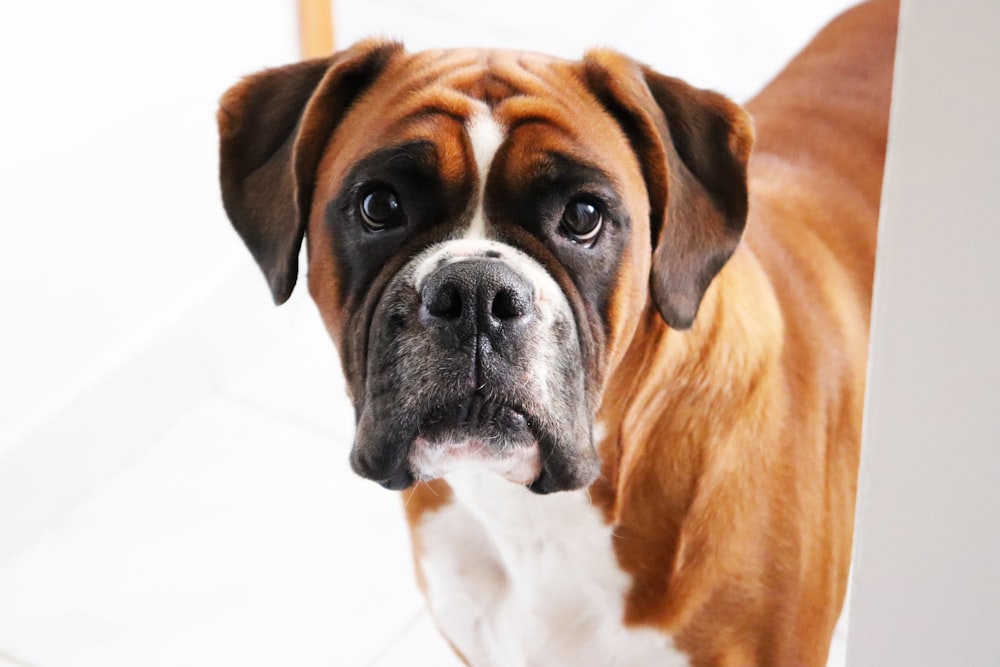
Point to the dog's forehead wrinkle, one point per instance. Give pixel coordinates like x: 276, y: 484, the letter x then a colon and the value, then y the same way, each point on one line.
x: 470, y: 70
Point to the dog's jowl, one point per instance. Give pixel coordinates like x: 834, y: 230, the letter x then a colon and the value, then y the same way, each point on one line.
x: 604, y: 330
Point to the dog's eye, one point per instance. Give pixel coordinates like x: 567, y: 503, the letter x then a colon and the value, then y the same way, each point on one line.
x: 380, y: 209
x: 582, y: 220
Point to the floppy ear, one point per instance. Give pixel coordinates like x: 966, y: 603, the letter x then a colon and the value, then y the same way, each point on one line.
x: 272, y: 130
x: 693, y: 146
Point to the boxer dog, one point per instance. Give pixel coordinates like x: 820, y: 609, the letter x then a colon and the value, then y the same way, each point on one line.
x: 611, y: 349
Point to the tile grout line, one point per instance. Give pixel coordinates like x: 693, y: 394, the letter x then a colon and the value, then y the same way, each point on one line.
x: 397, y: 638
x: 17, y: 662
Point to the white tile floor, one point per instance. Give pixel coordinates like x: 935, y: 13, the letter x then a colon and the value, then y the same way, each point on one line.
x: 193, y: 505
x: 239, y: 537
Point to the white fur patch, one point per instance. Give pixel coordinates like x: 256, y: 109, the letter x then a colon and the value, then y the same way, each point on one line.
x: 520, y: 580
x: 520, y: 465
x: 600, y: 432
x: 486, y: 136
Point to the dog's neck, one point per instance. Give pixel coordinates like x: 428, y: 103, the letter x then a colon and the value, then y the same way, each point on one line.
x: 728, y: 358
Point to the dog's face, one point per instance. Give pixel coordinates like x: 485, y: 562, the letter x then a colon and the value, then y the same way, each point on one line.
x: 476, y: 255
x: 485, y: 230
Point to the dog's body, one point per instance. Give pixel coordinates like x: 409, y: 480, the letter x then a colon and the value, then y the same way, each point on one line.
x: 706, y: 477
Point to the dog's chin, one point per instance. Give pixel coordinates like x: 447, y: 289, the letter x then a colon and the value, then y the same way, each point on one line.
x: 520, y: 464
x: 468, y: 433
x: 472, y: 434
x: 476, y: 434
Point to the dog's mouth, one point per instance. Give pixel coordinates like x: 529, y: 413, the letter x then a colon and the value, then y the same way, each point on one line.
x: 477, y: 418
x: 472, y: 434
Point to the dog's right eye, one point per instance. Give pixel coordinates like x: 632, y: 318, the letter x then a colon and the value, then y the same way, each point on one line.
x: 380, y: 209
x: 582, y: 221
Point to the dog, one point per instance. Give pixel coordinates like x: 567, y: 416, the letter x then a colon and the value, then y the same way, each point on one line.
x: 606, y: 331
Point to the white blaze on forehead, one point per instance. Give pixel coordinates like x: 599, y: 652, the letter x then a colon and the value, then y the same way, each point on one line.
x: 486, y: 136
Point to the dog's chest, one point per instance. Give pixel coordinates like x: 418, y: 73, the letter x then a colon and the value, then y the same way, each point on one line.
x: 518, y: 580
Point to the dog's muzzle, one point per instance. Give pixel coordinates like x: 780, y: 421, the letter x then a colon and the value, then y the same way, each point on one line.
x: 474, y: 361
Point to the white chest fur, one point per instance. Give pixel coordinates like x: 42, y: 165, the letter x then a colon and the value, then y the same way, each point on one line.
x: 520, y: 580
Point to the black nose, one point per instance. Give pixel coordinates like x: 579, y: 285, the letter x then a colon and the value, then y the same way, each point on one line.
x: 474, y: 296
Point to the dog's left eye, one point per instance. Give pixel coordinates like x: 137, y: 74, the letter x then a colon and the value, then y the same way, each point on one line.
x: 582, y: 220
x: 380, y: 209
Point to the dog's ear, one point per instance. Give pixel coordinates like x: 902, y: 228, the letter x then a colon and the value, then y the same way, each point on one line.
x: 272, y: 130
x: 693, y: 146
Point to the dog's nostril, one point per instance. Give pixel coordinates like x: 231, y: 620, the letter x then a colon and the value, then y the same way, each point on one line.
x: 444, y: 303
x: 508, y: 305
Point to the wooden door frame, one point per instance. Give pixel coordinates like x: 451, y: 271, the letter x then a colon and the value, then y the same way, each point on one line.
x: 315, y: 28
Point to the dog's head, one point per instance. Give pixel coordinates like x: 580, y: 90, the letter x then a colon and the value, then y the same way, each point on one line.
x: 485, y: 230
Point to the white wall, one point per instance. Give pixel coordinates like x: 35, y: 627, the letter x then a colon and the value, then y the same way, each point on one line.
x: 113, y: 232
x: 110, y: 209
x: 927, y: 591
x: 730, y: 46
